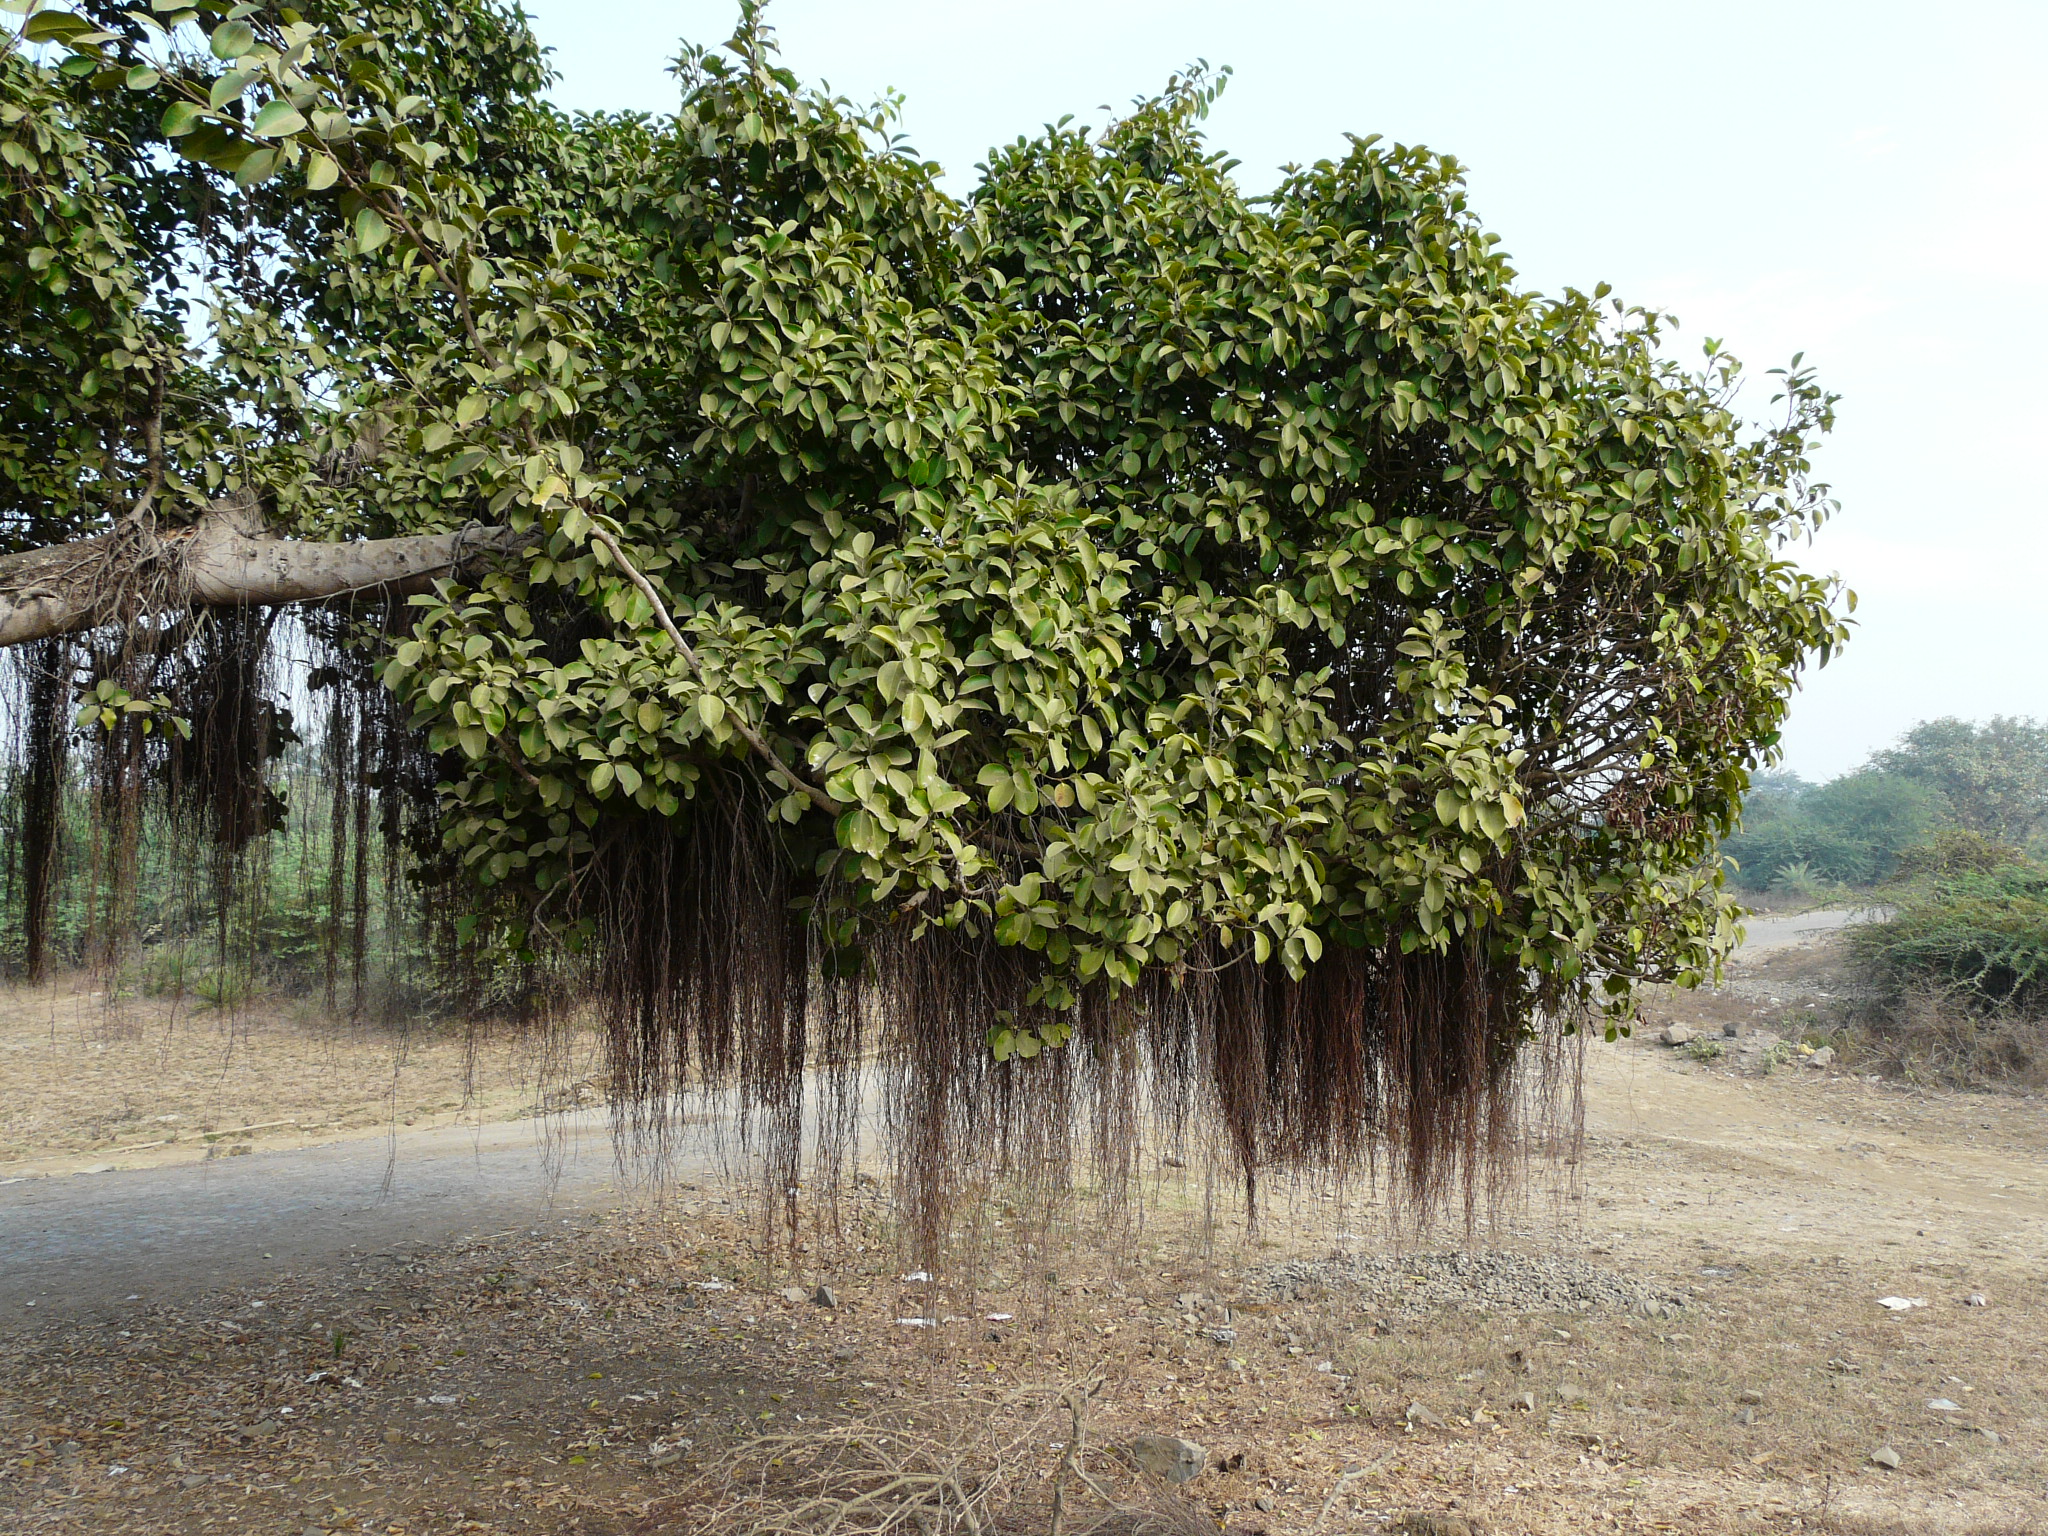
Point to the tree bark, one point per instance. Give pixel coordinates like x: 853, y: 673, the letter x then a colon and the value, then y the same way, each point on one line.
x: 227, y: 560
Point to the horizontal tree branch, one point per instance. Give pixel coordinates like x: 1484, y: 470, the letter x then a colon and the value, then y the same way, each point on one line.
x: 226, y: 559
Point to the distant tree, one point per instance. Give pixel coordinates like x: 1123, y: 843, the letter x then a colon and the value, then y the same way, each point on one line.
x: 1850, y: 830
x: 1994, y: 776
x: 1773, y: 792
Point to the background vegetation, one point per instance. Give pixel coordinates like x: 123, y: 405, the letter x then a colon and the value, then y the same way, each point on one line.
x: 1806, y: 840
x: 1947, y: 835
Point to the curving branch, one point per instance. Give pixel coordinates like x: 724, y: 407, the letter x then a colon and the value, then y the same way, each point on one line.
x: 225, y: 560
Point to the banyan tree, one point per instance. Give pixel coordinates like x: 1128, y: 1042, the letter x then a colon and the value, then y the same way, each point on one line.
x: 1110, y: 655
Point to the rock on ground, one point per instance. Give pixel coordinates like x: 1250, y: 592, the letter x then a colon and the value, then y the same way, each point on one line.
x: 1168, y: 1457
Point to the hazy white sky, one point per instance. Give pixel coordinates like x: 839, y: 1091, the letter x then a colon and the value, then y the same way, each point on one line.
x: 1864, y: 181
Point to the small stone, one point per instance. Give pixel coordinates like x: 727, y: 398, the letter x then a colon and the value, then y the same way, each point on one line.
x: 666, y: 1453
x: 1944, y: 1405
x: 1420, y: 1415
x: 1823, y: 1058
x: 1676, y: 1034
x: 1420, y: 1523
x: 825, y: 1296
x: 1168, y: 1457
x: 1885, y: 1456
x: 394, y: 1436
x: 1753, y: 1397
x: 794, y: 1294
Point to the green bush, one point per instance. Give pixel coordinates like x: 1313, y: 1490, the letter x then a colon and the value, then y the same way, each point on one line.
x: 224, y: 987
x: 1802, y: 882
x: 1955, y: 851
x: 1980, y: 936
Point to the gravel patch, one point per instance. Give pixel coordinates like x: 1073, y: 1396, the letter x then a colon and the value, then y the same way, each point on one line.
x: 1414, y: 1284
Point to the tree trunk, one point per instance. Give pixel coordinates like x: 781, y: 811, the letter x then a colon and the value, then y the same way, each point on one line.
x: 226, y: 559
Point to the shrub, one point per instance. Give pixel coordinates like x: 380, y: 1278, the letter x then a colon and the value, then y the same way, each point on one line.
x: 1979, y: 938
x: 1954, y: 851
x: 1802, y: 882
x: 224, y: 987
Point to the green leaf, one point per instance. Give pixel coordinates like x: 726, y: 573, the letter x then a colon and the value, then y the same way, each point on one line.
x: 54, y: 27
x: 230, y: 86
x: 278, y: 119
x: 321, y: 172
x: 232, y: 40
x: 181, y: 117
x: 258, y: 166
x: 142, y: 78
x: 371, y: 230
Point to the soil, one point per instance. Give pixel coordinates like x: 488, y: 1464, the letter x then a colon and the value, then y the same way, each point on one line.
x: 1680, y: 1330
x: 92, y: 1084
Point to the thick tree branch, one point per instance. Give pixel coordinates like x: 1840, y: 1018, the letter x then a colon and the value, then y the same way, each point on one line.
x: 226, y: 559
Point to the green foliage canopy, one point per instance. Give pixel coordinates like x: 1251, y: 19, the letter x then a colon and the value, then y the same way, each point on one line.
x: 1994, y: 776
x: 1113, y: 564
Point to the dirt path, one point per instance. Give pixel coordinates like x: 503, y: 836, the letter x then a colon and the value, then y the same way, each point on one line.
x: 1781, y: 1207
x: 85, y: 1245
x: 1836, y: 1164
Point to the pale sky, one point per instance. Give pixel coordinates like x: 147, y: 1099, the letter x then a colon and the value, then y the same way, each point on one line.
x: 1864, y: 181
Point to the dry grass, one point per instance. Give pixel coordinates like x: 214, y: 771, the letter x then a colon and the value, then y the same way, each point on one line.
x: 643, y: 1373
x: 540, y: 1384
x: 992, y: 1464
x: 1925, y: 1036
x: 146, y: 1081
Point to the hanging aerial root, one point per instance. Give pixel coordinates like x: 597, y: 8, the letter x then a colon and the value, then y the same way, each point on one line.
x: 1408, y: 1069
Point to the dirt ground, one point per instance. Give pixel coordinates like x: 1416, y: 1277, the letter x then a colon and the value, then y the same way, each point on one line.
x: 583, y: 1375
x: 86, y: 1086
